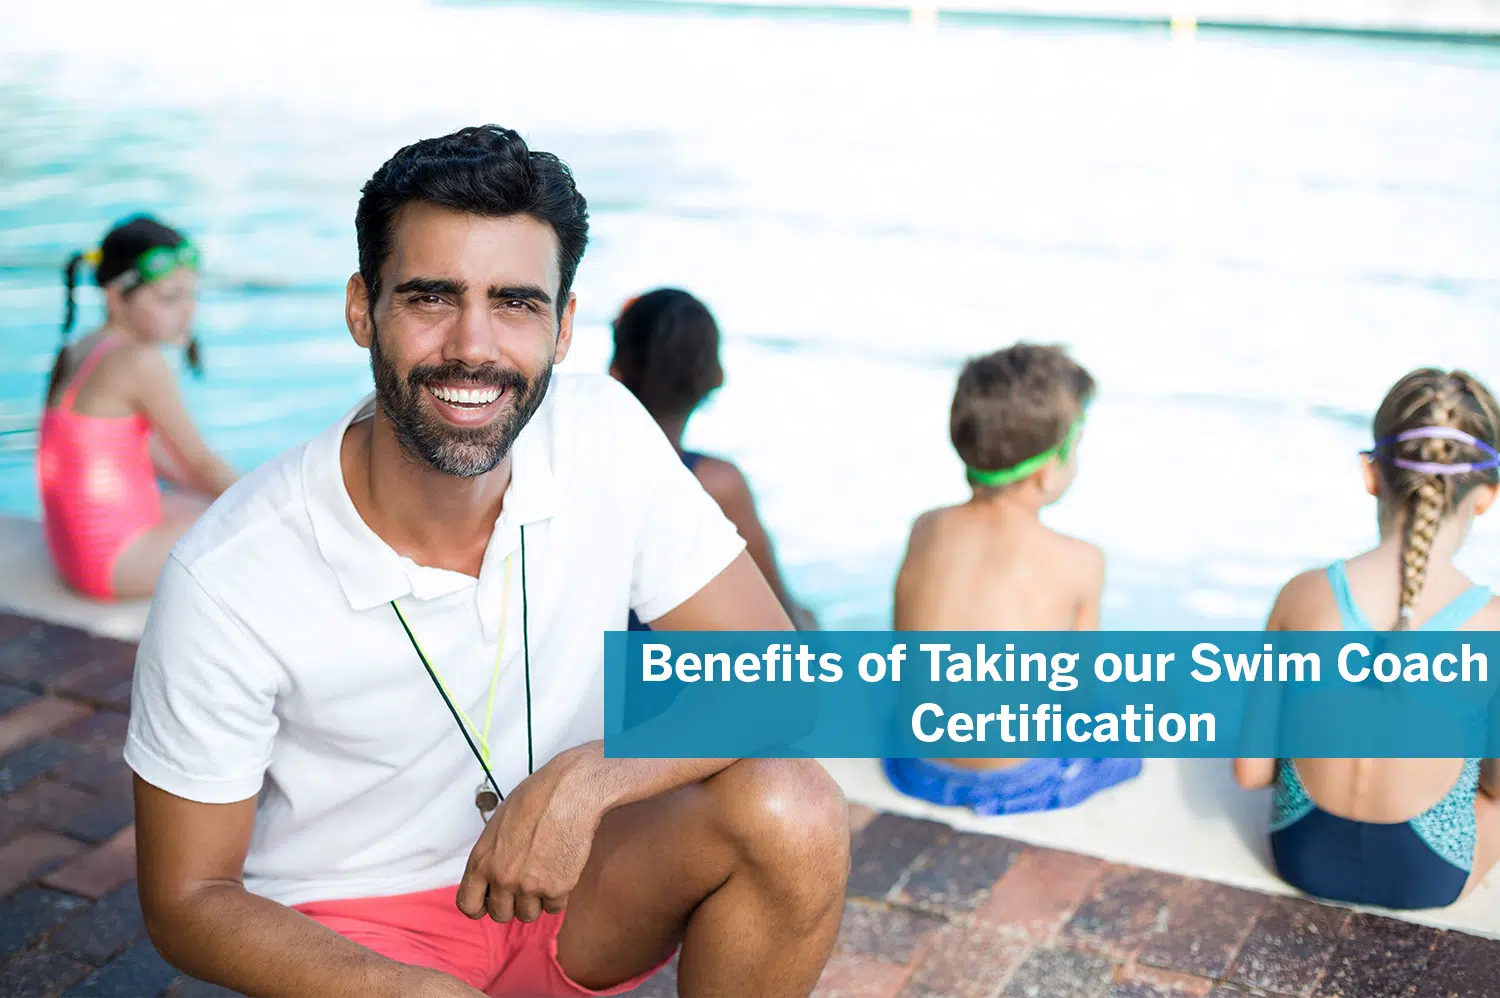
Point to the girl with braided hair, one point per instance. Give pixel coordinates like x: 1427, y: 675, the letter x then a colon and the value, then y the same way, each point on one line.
x: 1398, y: 833
x: 115, y: 422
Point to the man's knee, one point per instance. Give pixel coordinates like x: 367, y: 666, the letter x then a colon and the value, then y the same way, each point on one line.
x: 785, y: 811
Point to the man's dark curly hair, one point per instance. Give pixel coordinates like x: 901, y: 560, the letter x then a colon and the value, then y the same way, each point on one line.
x: 482, y: 170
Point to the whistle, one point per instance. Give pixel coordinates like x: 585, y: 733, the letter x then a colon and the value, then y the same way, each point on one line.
x: 486, y: 800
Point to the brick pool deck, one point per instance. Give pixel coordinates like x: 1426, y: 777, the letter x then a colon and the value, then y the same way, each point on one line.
x: 932, y: 912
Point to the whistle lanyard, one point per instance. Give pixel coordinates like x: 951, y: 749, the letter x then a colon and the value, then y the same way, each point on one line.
x: 479, y: 742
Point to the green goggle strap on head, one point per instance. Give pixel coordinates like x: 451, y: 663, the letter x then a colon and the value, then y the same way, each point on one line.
x: 158, y: 262
x: 1030, y: 466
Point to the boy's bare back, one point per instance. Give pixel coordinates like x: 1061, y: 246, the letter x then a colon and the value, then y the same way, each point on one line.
x: 987, y: 565
x: 990, y: 565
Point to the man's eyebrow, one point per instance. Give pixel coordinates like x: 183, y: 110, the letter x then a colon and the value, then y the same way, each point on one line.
x: 524, y: 292
x: 430, y: 286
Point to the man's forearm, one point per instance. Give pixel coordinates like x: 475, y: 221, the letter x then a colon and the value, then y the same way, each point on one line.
x: 613, y: 783
x: 236, y: 939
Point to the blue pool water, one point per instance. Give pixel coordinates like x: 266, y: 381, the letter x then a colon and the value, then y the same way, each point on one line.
x: 1246, y: 238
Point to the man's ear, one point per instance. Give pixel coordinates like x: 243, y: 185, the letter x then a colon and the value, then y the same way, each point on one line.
x: 357, y: 311
x: 565, y: 329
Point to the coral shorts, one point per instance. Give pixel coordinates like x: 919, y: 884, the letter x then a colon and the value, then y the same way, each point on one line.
x: 427, y: 929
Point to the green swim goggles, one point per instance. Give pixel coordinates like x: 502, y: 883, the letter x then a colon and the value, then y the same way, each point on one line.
x: 154, y: 264
x: 1030, y: 466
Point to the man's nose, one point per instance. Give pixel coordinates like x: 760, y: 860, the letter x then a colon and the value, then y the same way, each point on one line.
x: 474, y: 338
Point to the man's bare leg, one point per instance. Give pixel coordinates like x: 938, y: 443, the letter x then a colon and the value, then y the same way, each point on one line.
x: 746, y: 869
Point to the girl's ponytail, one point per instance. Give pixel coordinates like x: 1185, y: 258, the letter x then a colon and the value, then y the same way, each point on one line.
x: 70, y: 284
x: 195, y: 358
x: 70, y: 315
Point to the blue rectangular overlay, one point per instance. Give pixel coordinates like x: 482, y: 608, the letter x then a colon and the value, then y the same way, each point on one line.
x: 1041, y: 694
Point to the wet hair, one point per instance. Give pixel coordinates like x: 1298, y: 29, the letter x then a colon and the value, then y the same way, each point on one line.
x: 121, y: 248
x: 483, y: 170
x: 1016, y: 403
x: 1431, y: 397
x: 667, y: 351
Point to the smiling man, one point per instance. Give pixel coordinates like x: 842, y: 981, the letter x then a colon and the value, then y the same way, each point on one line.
x: 368, y: 642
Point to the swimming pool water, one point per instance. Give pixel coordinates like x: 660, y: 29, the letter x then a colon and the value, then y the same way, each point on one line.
x: 1246, y: 238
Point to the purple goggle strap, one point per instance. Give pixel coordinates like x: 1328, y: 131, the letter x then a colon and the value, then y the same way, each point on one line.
x: 1432, y: 467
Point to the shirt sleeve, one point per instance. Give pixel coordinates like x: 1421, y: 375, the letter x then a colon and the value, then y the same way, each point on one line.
x: 682, y: 538
x: 202, y: 703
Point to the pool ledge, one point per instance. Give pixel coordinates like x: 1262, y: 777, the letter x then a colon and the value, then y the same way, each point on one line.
x: 29, y: 586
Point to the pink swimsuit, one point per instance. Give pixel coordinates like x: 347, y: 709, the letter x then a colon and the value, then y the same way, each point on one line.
x: 98, y: 485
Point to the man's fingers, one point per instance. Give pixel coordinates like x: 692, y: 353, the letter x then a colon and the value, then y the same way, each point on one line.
x: 471, y: 894
x: 528, y: 907
x: 501, y: 904
x: 555, y: 906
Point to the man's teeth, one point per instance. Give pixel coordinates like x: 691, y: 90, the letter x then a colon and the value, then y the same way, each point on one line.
x: 465, y: 396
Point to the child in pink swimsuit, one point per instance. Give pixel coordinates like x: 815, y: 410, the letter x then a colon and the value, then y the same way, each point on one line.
x: 115, y: 423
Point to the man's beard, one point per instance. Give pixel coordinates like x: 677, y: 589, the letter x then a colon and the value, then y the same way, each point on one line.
x: 463, y: 452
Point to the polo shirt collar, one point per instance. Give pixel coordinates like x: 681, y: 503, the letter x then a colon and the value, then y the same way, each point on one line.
x: 369, y: 571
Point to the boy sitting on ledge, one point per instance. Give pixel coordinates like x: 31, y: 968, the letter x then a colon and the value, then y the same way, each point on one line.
x: 990, y: 565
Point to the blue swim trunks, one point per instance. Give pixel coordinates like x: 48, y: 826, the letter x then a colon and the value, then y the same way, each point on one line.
x: 1034, y: 785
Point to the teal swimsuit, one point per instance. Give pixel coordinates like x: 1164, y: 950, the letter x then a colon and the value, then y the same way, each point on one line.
x: 1421, y: 863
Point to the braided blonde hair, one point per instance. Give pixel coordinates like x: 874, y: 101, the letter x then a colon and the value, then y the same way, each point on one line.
x: 1431, y: 397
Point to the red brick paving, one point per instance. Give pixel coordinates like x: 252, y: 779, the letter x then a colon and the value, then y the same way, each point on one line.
x: 30, y: 853
x: 859, y: 817
x: 42, y: 803
x: 848, y: 976
x: 1164, y: 982
x: 1040, y: 892
x: 933, y: 912
x: 1289, y: 948
x: 965, y: 961
x: 1217, y: 920
x: 1128, y: 907
x: 98, y: 871
x: 39, y: 717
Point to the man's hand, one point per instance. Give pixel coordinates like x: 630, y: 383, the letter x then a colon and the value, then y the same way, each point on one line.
x: 533, y: 851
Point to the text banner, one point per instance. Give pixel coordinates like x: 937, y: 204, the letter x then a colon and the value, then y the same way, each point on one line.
x: 1040, y: 694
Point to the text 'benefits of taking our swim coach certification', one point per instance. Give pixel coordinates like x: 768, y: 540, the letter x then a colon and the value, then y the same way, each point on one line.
x: 1184, y: 694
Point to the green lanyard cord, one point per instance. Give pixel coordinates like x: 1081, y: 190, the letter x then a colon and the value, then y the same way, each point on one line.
x: 526, y: 659
x: 482, y: 754
x: 448, y: 700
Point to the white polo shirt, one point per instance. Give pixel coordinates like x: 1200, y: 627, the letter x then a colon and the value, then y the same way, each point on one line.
x: 273, y: 663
